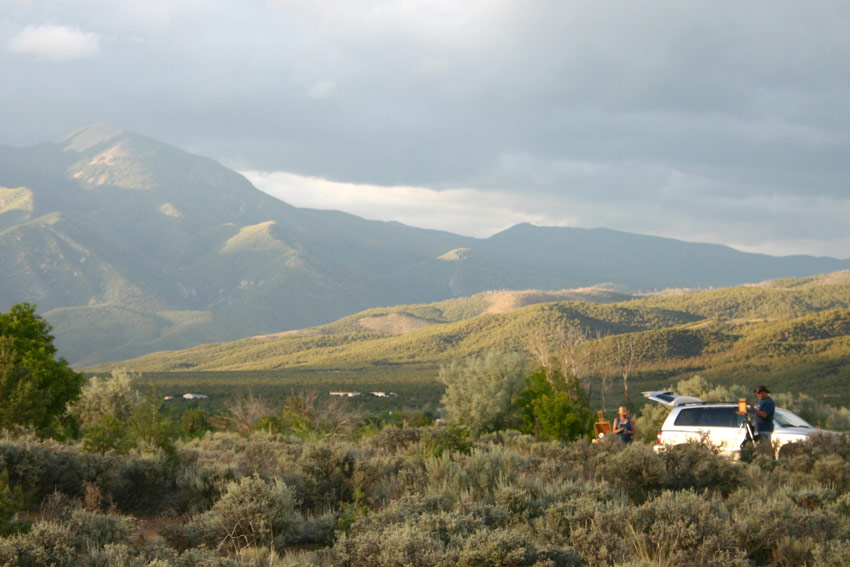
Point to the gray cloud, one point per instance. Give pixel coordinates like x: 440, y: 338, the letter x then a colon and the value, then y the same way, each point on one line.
x: 725, y: 122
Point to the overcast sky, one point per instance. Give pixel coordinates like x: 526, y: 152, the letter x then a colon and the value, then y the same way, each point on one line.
x: 725, y: 122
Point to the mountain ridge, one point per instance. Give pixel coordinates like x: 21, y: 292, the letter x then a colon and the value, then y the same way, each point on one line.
x: 114, y: 234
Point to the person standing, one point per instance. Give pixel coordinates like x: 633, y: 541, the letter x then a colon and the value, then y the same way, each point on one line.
x: 623, y: 427
x: 764, y: 410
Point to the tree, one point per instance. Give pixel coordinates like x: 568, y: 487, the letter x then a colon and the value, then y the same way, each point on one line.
x: 115, y: 417
x: 35, y: 386
x: 629, y: 355
x: 552, y: 408
x: 104, y: 410
x: 480, y: 392
x: 571, y: 357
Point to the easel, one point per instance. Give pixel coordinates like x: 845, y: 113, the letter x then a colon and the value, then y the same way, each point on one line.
x: 601, y: 428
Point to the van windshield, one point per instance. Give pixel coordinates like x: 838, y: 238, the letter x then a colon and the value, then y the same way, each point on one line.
x: 786, y: 418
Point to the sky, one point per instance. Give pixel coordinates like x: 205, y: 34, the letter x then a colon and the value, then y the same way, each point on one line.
x: 724, y: 122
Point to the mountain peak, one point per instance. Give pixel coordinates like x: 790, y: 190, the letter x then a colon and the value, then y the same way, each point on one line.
x: 89, y: 136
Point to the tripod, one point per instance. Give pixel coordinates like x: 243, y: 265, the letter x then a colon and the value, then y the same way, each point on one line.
x: 748, y: 445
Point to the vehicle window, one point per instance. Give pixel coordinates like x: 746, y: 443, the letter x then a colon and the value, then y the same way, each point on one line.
x: 708, y: 417
x: 688, y: 417
x: 787, y: 419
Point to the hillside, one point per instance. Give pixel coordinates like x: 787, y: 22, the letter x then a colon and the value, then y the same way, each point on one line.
x: 794, y: 334
x: 129, y: 246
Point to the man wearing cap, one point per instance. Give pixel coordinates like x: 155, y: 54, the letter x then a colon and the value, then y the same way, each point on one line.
x: 764, y: 411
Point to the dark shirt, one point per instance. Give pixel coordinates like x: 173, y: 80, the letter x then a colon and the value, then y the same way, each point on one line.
x: 768, y: 406
x: 628, y: 433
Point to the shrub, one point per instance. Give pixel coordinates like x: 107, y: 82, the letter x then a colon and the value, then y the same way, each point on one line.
x: 637, y: 470
x: 118, y: 555
x: 697, y: 465
x: 511, y: 548
x: 145, y: 485
x: 480, y: 392
x: 46, y: 544
x: 39, y: 468
x: 762, y: 518
x: 834, y: 470
x: 329, y: 469
x: 234, y: 455
x: 682, y: 527
x: 252, y: 512
x: 596, y: 530
x: 396, y: 545
x: 104, y: 410
x: 199, y: 557
x: 11, y: 502
x: 449, y: 439
x: 831, y: 554
x: 93, y: 530
x: 578, y: 512
x: 394, y: 440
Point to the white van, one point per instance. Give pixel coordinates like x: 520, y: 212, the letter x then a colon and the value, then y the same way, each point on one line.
x: 719, y: 423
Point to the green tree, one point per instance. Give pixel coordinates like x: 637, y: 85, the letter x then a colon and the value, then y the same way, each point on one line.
x: 35, y: 386
x: 551, y: 405
x: 151, y: 429
x: 480, y: 392
x: 115, y: 417
x: 104, y: 410
x: 11, y: 502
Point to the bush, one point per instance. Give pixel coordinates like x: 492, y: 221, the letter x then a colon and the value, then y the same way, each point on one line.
x: 104, y: 410
x: 93, y: 530
x: 762, y: 518
x: 510, y: 548
x: 145, y: 485
x: 11, y: 502
x: 46, y: 544
x: 698, y: 466
x: 117, y: 555
x: 40, y: 468
x: 682, y: 527
x: 637, y: 470
x: 251, y: 513
x: 329, y: 469
x: 396, y: 545
x: 480, y: 392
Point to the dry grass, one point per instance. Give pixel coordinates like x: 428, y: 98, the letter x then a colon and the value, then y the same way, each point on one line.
x: 507, y: 301
x: 394, y: 323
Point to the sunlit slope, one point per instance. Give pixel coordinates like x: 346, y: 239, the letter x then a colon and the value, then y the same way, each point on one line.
x: 789, y: 332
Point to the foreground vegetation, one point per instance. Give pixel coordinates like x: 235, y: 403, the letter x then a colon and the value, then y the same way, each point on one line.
x: 420, y: 496
x: 314, y: 482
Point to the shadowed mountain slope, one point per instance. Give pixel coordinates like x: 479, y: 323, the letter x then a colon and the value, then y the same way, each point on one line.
x: 130, y: 246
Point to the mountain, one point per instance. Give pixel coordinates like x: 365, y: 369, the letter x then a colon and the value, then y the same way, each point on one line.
x: 130, y: 246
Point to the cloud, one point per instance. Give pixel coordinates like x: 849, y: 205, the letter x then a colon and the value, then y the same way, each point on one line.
x: 685, y: 211
x: 712, y: 121
x: 56, y: 43
x: 322, y: 89
x: 469, y: 212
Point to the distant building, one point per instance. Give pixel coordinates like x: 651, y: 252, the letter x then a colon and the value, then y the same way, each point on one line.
x: 384, y: 394
x: 346, y: 394
x: 194, y: 396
